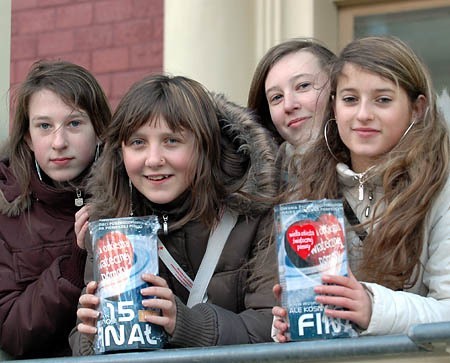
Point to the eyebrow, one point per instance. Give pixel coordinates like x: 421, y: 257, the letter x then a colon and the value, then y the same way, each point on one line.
x: 292, y: 79
x: 377, y: 90
x: 71, y: 115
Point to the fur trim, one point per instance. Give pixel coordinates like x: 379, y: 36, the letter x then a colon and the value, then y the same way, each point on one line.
x: 258, y: 185
x: 14, y: 208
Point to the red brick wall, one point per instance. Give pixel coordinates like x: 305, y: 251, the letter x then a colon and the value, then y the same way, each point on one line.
x: 119, y: 41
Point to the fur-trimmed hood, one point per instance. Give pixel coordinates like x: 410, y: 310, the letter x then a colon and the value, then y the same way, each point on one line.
x: 12, y: 203
x: 244, y: 136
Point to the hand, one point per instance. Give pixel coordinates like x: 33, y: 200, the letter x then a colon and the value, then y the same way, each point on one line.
x: 347, y: 293
x: 279, y: 324
x: 162, y: 298
x: 81, y: 225
x: 88, y: 313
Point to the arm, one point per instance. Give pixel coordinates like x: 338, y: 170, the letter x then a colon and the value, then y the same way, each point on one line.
x: 379, y: 310
x: 36, y: 311
x: 429, y: 301
x: 210, y: 324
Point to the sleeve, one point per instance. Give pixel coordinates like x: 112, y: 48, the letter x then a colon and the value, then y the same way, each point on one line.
x: 35, y: 312
x: 208, y: 324
x: 394, y: 312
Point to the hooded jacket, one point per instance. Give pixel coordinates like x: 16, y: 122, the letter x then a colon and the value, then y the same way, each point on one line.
x: 240, y: 295
x: 41, y: 268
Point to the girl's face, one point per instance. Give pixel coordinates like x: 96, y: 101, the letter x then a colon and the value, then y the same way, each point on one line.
x: 293, y: 89
x: 62, y: 138
x: 372, y: 114
x: 158, y: 161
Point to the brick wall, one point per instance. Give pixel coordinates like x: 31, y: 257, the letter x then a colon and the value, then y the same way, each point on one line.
x: 119, y: 41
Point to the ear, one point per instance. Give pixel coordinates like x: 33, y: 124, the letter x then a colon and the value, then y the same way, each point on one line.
x: 27, y: 139
x: 419, y: 108
x: 333, y: 103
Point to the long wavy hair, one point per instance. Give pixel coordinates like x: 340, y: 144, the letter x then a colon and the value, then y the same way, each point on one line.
x: 257, y: 100
x: 76, y: 86
x: 392, y: 248
x: 185, y: 105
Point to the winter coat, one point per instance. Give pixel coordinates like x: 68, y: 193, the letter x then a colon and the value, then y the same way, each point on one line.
x: 428, y: 301
x: 240, y: 295
x: 41, y: 268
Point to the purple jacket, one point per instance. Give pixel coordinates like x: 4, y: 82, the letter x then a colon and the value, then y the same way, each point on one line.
x: 41, y: 268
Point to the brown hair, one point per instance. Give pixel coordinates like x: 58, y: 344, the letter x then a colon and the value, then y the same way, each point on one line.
x: 257, y: 99
x: 185, y: 105
x: 76, y: 86
x: 391, y: 250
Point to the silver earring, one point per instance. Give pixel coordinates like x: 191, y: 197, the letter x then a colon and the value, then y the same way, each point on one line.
x: 131, y: 197
x: 325, y: 132
x: 38, y: 169
x: 407, y: 130
x: 97, y: 152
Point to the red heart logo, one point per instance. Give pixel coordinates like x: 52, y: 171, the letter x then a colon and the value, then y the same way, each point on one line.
x: 114, y: 259
x: 302, y: 237
x: 314, y: 243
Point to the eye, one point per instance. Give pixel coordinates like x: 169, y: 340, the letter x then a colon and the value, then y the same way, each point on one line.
x: 275, y: 99
x: 44, y: 126
x: 75, y: 123
x: 303, y: 86
x: 135, y: 142
x: 384, y: 99
x: 349, y: 99
x: 172, y: 140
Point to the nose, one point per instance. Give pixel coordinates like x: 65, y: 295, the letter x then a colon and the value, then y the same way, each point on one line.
x: 155, y: 157
x: 59, y: 139
x: 364, y: 112
x: 291, y: 102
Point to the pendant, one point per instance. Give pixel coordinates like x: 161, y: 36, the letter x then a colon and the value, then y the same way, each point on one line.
x: 79, y: 200
x: 165, y: 225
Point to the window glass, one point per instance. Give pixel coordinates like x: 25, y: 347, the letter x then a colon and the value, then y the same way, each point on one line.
x: 426, y: 31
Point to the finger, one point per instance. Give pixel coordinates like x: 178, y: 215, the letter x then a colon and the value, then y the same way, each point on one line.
x: 158, y: 320
x: 341, y: 302
x: 155, y: 280
x: 280, y: 325
x: 86, y: 329
x: 281, y: 338
x: 81, y: 235
x: 91, y: 287
x: 336, y: 279
x: 277, y: 289
x: 89, y: 301
x: 160, y: 292
x: 87, y: 315
x: 278, y: 311
x: 160, y: 304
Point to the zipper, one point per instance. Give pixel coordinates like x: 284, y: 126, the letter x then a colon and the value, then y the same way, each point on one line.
x: 165, y: 219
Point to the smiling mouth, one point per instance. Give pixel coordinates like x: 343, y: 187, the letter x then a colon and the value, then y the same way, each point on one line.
x: 158, y: 177
x: 61, y: 161
x: 297, y: 121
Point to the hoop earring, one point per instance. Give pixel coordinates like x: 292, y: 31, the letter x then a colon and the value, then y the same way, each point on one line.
x: 407, y: 130
x: 325, y: 132
x: 97, y: 152
x: 38, y: 169
x: 131, y: 197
